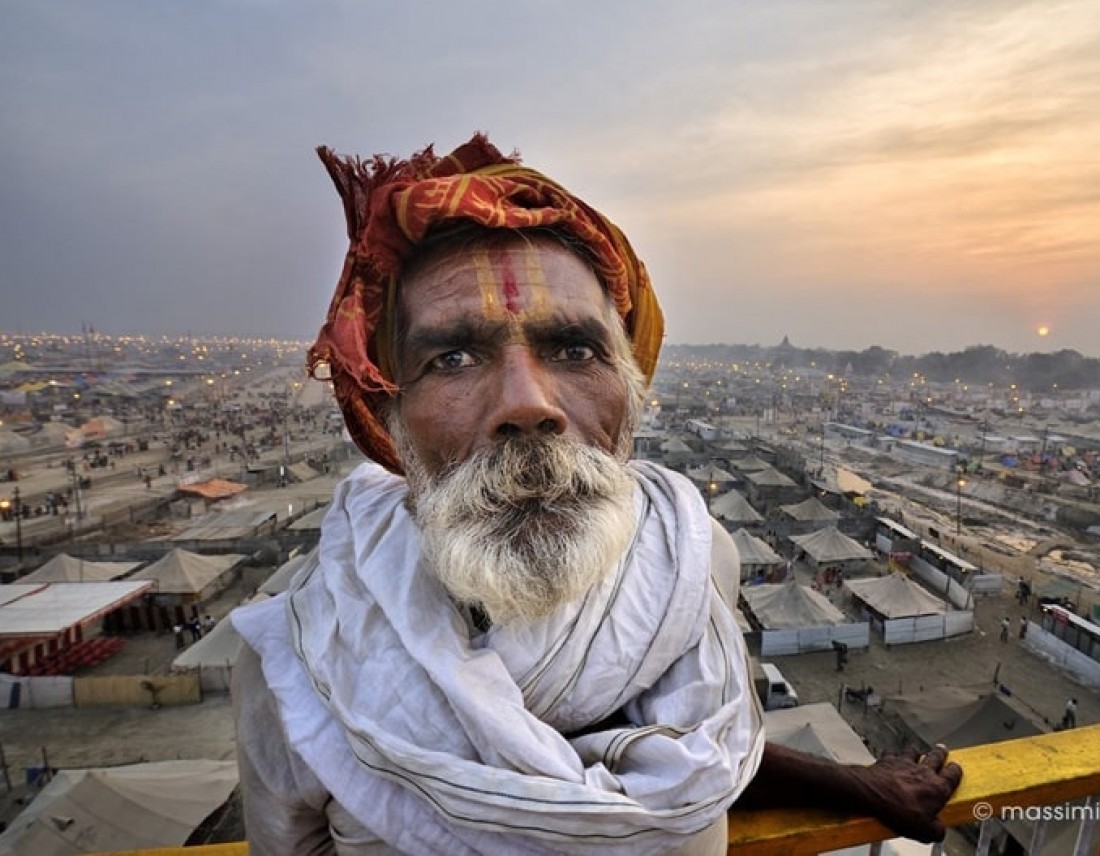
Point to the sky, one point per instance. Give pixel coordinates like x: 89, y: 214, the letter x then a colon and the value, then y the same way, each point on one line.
x: 920, y: 175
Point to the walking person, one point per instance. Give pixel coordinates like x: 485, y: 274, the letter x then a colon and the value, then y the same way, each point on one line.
x: 1006, y: 623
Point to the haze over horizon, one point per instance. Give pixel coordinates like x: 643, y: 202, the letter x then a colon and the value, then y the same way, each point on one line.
x: 919, y: 176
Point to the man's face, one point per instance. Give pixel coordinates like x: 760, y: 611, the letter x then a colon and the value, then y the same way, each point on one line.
x: 513, y: 409
x: 505, y: 340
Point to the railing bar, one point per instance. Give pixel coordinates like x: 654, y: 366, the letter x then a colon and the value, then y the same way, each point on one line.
x: 1086, y: 832
x: 937, y: 849
x: 985, y: 838
x: 1037, y: 837
x: 875, y: 849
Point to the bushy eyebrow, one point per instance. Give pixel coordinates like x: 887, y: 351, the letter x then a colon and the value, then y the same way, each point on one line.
x: 466, y: 332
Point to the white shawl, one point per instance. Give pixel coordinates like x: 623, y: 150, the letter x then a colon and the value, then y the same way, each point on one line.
x: 412, y: 725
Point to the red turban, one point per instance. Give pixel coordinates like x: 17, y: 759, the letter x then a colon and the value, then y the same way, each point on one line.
x: 391, y: 206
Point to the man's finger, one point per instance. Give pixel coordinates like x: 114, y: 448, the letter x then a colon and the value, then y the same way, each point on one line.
x: 953, y: 773
x: 936, y: 757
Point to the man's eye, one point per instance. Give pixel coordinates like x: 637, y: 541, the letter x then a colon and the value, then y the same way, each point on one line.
x: 452, y: 360
x: 575, y: 353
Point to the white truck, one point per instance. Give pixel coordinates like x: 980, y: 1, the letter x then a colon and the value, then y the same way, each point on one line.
x: 775, y: 691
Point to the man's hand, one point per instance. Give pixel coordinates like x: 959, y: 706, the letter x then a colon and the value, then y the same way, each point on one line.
x: 905, y: 791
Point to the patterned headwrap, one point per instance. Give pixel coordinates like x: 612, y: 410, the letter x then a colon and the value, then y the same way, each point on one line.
x: 391, y: 206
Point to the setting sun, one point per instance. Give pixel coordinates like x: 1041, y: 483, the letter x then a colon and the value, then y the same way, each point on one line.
x: 1043, y: 330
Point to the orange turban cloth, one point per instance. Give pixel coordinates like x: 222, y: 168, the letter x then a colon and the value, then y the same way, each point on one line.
x: 391, y: 206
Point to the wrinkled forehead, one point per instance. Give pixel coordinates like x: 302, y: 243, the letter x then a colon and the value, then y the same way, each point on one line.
x: 512, y: 274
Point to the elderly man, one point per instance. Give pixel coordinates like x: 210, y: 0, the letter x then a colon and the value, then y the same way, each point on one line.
x: 511, y: 639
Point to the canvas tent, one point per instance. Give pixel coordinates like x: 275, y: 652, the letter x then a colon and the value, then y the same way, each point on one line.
x: 732, y: 506
x: 279, y: 581
x: 29, y: 610
x: 896, y: 596
x: 709, y: 474
x: 788, y: 605
x: 905, y: 612
x: 830, y: 546
x: 755, y: 554
x: 959, y: 717
x: 64, y: 568
x: 811, y: 510
x: 141, y: 806
x: 750, y: 464
x: 213, y: 657
x: 230, y: 525
x: 795, y: 619
x: 842, y: 481
x: 190, y: 576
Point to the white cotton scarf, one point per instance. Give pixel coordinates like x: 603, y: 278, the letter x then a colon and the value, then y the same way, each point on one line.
x: 429, y: 737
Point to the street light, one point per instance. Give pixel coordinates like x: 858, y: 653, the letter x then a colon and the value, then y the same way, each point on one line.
x: 960, y: 483
x: 17, y: 507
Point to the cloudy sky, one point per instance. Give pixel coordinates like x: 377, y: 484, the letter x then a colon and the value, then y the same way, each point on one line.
x: 916, y: 174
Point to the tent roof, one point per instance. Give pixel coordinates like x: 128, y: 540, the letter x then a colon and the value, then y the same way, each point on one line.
x: 959, y: 717
x: 754, y: 551
x: 749, y: 464
x: 183, y: 572
x: 841, y: 480
x: 831, y: 545
x: 279, y: 581
x: 220, y: 525
x: 216, y: 648
x: 787, y: 605
x: 810, y: 509
x: 770, y: 478
x: 896, y: 596
x: 709, y: 473
x: 819, y: 730
x: 214, y: 488
x: 141, y: 806
x: 64, y: 568
x: 734, y: 507
x: 46, y: 609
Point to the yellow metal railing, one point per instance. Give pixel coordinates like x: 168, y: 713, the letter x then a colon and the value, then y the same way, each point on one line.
x: 1046, y: 770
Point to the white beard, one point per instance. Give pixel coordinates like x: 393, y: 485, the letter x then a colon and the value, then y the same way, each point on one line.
x: 524, y: 526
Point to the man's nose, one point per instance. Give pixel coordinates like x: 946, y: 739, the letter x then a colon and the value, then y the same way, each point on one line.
x: 527, y: 400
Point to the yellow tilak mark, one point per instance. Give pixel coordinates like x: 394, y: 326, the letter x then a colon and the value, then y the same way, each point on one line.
x: 486, y: 282
x: 538, y: 287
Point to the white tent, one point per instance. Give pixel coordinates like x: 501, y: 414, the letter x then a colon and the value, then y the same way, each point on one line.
x: 896, y: 596
x: 213, y: 657
x: 106, y: 809
x: 770, y: 478
x: 789, y: 606
x: 812, y: 510
x: 732, y: 506
x: 184, y: 573
x: 64, y: 568
x: 750, y: 464
x: 754, y: 552
x: 831, y: 546
x: 48, y: 609
x: 279, y: 581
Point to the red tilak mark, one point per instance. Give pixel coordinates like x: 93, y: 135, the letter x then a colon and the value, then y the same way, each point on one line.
x: 510, y: 290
